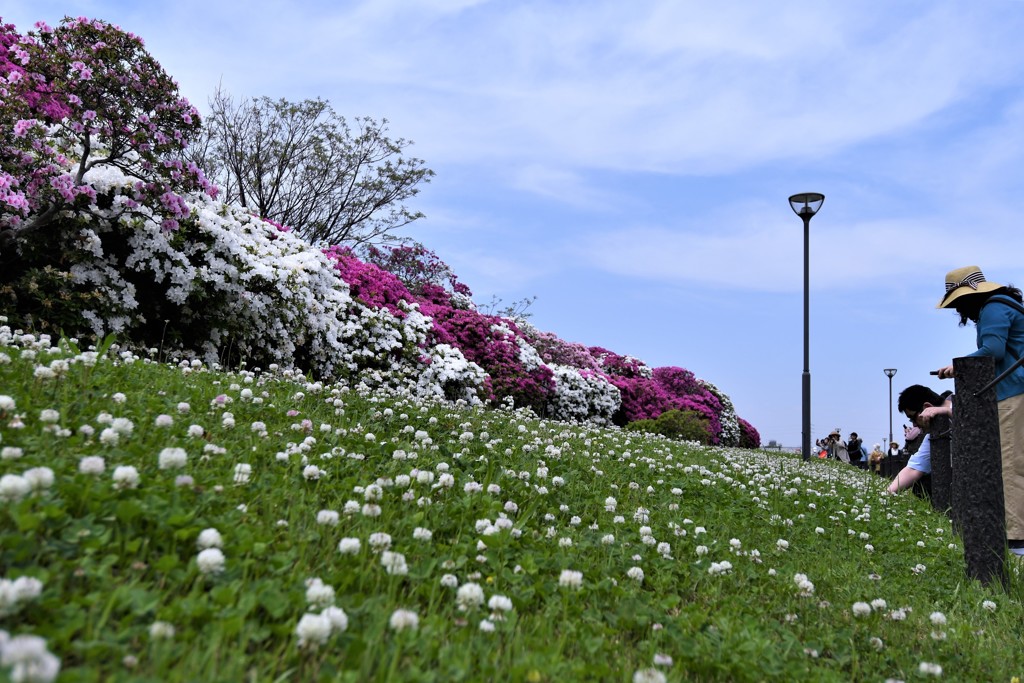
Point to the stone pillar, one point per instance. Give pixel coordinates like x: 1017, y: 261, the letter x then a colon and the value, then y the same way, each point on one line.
x: 942, y: 466
x: 977, y: 491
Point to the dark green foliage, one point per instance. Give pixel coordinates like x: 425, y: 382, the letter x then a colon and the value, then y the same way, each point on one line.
x: 684, y: 425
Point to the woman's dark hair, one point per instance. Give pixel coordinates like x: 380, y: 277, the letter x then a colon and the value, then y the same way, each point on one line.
x: 969, y: 307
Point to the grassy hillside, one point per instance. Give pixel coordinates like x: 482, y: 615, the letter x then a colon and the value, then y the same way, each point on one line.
x: 366, y: 537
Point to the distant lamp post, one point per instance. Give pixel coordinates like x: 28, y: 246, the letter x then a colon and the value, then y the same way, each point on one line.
x: 889, y: 372
x: 806, y: 205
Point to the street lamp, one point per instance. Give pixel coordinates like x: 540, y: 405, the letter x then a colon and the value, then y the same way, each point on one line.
x: 806, y: 205
x: 889, y: 372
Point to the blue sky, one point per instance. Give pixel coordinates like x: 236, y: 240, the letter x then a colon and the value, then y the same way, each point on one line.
x: 629, y: 164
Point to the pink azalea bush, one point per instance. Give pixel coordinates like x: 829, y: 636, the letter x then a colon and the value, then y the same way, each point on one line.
x: 84, y: 95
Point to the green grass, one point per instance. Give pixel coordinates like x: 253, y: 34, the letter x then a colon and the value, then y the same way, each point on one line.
x: 113, y: 561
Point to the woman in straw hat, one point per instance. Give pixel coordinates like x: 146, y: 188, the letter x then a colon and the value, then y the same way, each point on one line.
x: 996, y: 310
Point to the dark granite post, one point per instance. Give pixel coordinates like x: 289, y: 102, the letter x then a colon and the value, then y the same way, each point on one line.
x: 942, y: 467
x: 977, y: 491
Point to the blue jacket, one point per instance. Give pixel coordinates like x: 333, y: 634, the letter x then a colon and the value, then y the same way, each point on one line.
x: 1001, y: 335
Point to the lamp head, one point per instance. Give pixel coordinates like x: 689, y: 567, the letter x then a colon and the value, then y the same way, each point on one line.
x: 889, y: 372
x: 806, y: 204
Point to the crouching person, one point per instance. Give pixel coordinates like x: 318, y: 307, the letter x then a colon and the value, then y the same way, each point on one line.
x: 920, y: 404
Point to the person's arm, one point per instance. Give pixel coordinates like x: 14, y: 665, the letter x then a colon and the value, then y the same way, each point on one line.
x: 907, y: 477
x: 920, y: 464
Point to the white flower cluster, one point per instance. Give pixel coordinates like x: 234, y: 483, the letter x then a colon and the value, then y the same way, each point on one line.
x: 14, y: 593
x: 28, y: 658
x: 583, y: 396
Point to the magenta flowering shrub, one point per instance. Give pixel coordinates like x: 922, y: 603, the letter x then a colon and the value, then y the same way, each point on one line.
x: 417, y: 267
x: 368, y: 283
x: 553, y: 350
x: 619, y: 366
x: 82, y: 96
x: 491, y: 343
x: 749, y: 437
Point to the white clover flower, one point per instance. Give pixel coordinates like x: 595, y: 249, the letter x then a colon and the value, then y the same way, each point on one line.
x: 650, y: 675
x: 92, y: 464
x: 937, y: 619
x: 718, y: 568
x: 449, y: 581
x: 11, y: 453
x: 209, y: 538
x: 486, y: 625
x: 163, y: 421
x: 210, y: 561
x: 126, y: 477
x: 39, y: 478
x: 313, y: 630
x: 929, y: 669
x: 49, y: 415
x: 394, y: 563
x: 869, y: 548
x: 989, y: 605
x: 328, y: 518
x: 161, y: 630
x: 876, y: 643
x: 337, y: 618
x: 7, y: 403
x: 636, y: 573
x: 196, y: 431
x: 380, y: 541
x: 402, y: 619
x: 918, y: 568
x: 878, y: 604
x: 861, y: 609
x: 29, y: 659
x: 243, y: 472
x: 349, y: 546
x: 312, y: 472
x: 183, y: 408
x: 108, y: 437
x: 318, y: 593
x: 500, y: 603
x: 421, y: 534
x: 469, y: 595
x: 701, y: 550
x: 782, y: 544
x: 570, y: 579
x: 173, y: 458
x: 371, y: 510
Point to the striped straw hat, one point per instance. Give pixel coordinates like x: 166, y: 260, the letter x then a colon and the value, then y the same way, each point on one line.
x: 964, y: 281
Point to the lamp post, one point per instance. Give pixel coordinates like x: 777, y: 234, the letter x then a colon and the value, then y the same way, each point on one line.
x: 806, y: 205
x: 889, y: 372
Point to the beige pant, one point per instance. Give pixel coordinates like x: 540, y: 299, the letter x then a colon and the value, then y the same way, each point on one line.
x: 1011, y: 440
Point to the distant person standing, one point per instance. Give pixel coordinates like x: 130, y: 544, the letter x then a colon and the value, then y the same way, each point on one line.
x: 875, y: 459
x: 855, y: 447
x: 894, y: 449
x: 839, y: 451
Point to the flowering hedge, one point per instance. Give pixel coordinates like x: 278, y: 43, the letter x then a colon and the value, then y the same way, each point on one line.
x: 114, y: 234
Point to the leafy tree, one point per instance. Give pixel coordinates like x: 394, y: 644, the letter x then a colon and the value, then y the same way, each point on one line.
x: 303, y: 165
x: 83, y: 96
